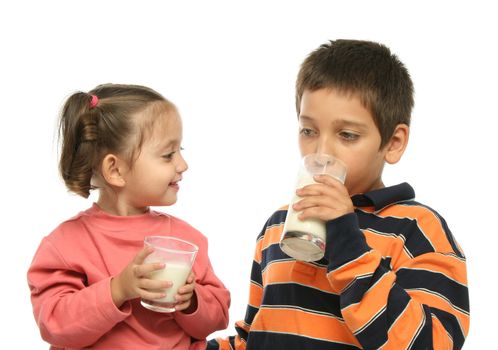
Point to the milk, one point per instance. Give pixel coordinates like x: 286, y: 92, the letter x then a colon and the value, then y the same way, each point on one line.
x: 177, y: 273
x: 304, y: 239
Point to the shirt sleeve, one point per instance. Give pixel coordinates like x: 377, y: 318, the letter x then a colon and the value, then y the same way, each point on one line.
x: 421, y: 303
x: 238, y: 342
x: 68, y: 312
x: 213, y: 301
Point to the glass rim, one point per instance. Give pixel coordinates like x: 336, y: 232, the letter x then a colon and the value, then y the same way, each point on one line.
x: 172, y: 250
x: 340, y: 162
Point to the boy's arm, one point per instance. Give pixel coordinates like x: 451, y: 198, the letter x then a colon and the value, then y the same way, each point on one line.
x: 239, y: 341
x: 421, y: 304
x: 69, y: 313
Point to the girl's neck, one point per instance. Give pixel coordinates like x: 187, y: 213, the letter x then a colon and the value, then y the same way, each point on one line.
x: 115, y: 205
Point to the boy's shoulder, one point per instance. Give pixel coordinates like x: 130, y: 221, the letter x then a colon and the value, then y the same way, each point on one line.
x: 419, y: 224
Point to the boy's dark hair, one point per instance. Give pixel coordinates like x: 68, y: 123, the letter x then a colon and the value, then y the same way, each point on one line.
x: 117, y: 123
x: 365, y: 69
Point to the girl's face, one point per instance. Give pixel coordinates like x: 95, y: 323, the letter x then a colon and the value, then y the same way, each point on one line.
x: 154, y: 178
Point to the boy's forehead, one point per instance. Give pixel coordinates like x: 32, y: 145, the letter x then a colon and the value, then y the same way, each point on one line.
x: 339, y: 107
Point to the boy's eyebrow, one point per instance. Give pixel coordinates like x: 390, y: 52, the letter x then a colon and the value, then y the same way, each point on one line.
x: 339, y: 122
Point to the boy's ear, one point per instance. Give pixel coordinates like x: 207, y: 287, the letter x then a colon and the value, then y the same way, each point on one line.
x: 396, y: 146
x: 112, y: 170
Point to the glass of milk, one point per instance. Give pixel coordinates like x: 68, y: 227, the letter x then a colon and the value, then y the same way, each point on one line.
x: 178, y: 256
x: 305, y: 239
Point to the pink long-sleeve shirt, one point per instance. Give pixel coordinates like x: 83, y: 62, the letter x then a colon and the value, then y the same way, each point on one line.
x: 70, y: 275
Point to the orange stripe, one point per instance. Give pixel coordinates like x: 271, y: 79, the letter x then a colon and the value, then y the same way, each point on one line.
x: 387, y: 246
x: 297, y: 272
x: 272, y: 236
x: 427, y: 221
x: 372, y: 302
x: 255, y: 295
x: 447, y: 265
x: 405, y: 327
x: 303, y: 323
x: 440, y: 303
x: 364, y: 265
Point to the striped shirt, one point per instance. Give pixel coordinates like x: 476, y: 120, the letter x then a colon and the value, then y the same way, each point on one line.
x: 393, y: 277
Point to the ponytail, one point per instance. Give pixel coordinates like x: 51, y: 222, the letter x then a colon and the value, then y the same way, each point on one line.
x: 78, y: 129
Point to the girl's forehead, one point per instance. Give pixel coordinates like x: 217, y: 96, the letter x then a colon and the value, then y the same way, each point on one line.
x: 167, y: 128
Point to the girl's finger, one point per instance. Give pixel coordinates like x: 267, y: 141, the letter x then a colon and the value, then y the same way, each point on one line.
x: 142, y: 254
x: 144, y: 269
x: 145, y: 283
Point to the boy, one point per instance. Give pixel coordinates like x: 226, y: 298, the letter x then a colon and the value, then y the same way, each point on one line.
x: 393, y: 277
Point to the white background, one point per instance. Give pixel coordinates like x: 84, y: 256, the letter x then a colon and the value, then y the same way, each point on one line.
x: 230, y: 67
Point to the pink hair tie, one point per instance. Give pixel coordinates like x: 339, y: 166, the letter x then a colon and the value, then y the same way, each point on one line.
x: 94, y: 101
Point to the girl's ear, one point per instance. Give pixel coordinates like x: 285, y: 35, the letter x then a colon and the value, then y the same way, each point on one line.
x: 112, y: 170
x: 396, y: 146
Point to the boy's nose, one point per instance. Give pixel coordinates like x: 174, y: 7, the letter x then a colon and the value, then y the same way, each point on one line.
x: 324, y: 147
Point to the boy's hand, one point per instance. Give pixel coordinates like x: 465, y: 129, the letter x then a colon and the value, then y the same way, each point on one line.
x: 187, y: 300
x: 133, y: 281
x: 326, y: 200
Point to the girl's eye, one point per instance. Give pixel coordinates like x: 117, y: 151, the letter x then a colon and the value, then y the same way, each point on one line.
x: 307, y: 132
x: 168, y: 156
x: 348, y: 136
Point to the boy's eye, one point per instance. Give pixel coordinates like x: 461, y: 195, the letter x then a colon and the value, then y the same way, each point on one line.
x: 307, y: 132
x: 348, y: 136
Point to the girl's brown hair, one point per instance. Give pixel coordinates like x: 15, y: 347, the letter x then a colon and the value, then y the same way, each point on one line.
x: 90, y: 130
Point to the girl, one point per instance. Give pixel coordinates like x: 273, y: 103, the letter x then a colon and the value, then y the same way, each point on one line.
x: 88, y: 275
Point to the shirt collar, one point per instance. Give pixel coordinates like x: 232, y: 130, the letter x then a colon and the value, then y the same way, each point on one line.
x: 384, y: 197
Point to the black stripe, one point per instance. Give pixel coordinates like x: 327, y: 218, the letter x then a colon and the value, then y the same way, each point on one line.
x: 277, y: 218
x: 272, y: 254
x: 256, y: 273
x: 231, y: 341
x: 212, y: 345
x: 423, y: 339
x: 251, y: 312
x: 397, y: 302
x: 355, y: 292
x: 375, y: 334
x: 436, y: 282
x: 270, y: 341
x: 241, y: 332
x: 298, y: 296
x: 450, y: 323
x: 449, y: 235
x: 415, y: 241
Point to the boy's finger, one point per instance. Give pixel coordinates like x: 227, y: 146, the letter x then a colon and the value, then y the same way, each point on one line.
x: 327, y: 180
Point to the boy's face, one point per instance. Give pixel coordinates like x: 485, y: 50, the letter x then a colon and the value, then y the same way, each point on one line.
x: 338, y: 124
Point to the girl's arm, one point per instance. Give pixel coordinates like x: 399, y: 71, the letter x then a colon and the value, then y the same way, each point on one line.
x: 212, y: 299
x: 68, y: 312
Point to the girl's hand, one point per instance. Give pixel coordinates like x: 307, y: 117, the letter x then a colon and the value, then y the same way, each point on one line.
x: 326, y: 200
x: 187, y: 300
x: 133, y: 281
